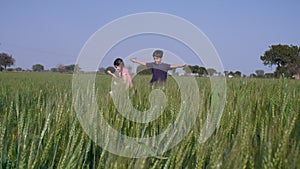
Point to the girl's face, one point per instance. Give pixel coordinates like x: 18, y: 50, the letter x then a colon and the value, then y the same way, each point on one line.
x: 157, y: 60
x: 118, y: 68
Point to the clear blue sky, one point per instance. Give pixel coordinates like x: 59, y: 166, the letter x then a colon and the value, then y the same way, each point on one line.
x: 53, y: 32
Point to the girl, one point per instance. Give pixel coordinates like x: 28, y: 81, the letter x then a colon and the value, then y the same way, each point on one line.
x: 123, y: 74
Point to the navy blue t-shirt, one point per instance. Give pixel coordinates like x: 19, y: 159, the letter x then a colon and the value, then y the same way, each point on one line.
x: 159, y: 72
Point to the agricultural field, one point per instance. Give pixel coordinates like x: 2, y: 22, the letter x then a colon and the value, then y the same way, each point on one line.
x: 259, y: 127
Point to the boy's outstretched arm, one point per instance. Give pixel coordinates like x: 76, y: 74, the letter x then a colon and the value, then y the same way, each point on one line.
x: 137, y: 61
x: 177, y: 66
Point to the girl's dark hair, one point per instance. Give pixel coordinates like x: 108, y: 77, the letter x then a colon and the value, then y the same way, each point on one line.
x: 119, y: 62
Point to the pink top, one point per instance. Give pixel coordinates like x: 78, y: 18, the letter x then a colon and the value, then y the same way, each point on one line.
x: 126, y: 76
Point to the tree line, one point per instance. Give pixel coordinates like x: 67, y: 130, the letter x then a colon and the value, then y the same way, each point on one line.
x: 286, y: 59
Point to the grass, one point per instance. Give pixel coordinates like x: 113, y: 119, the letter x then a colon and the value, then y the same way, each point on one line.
x: 259, y: 128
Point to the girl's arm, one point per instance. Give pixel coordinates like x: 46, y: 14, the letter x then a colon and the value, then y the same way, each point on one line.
x: 112, y: 74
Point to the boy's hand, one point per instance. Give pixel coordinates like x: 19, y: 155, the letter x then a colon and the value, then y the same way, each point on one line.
x: 139, y: 62
x: 133, y: 60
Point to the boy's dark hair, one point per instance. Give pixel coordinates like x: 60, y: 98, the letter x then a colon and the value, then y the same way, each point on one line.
x: 158, y: 53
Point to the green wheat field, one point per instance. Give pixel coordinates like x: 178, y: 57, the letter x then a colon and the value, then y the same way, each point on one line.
x: 259, y: 128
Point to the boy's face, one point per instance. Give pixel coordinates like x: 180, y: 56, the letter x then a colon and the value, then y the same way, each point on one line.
x: 157, y: 60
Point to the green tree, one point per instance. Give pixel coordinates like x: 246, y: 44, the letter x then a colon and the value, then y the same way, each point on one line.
x: 211, y: 71
x: 252, y: 75
x: 285, y: 57
x: 70, y: 68
x: 269, y: 75
x: 195, y: 69
x: 19, y: 69
x: 231, y: 74
x: 226, y: 73
x: 260, y: 73
x: 202, y: 71
x: 6, y: 60
x: 54, y: 69
x: 237, y: 74
x: 37, y: 68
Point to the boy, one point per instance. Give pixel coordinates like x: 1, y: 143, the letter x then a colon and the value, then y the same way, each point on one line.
x: 159, y: 69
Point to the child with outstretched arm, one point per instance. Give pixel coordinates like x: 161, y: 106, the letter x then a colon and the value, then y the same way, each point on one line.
x: 159, y: 69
